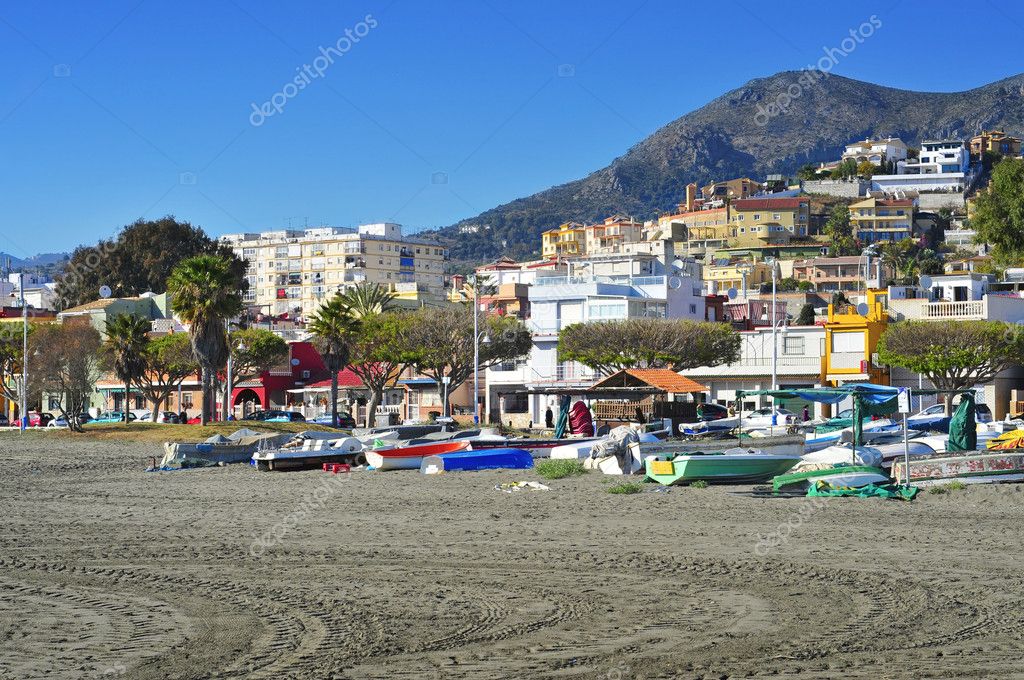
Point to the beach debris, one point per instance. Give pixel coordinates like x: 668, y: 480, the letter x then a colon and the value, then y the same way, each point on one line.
x: 509, y: 487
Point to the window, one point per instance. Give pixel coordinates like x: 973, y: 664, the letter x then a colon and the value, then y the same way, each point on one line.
x: 757, y: 216
x: 793, y: 345
x: 848, y: 342
x: 776, y: 216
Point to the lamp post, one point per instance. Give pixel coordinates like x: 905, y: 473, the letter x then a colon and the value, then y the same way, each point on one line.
x: 476, y: 350
x: 445, y: 380
x: 775, y: 324
x: 24, y: 354
x: 228, y: 407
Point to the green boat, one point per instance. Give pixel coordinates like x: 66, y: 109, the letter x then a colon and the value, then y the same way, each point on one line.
x: 735, y: 466
x: 854, y: 476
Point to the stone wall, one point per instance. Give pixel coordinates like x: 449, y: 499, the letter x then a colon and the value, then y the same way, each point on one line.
x: 854, y: 188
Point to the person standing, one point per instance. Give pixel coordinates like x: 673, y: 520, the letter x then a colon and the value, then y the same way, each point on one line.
x: 549, y: 419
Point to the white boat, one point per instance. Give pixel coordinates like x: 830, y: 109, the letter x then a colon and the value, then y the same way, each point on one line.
x: 311, y: 453
x: 573, y: 450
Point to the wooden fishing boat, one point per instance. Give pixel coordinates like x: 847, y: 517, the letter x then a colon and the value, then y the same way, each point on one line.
x: 538, y: 448
x: 734, y: 466
x: 970, y: 468
x: 854, y: 476
x: 411, y: 457
x: 489, y: 459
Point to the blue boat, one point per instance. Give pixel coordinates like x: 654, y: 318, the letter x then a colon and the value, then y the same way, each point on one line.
x: 487, y: 459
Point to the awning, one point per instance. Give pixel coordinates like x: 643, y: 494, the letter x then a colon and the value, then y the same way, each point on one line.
x: 849, y: 377
x: 417, y: 381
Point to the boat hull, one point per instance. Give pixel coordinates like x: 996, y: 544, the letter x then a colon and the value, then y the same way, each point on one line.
x: 992, y: 466
x: 411, y: 457
x: 719, y: 468
x: 854, y: 476
x: 465, y: 461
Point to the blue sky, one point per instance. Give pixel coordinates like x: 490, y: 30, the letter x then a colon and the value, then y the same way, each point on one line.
x: 429, y: 113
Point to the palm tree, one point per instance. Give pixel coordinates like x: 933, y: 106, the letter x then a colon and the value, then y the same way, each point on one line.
x: 125, y: 346
x: 333, y: 327
x: 205, y: 294
x: 367, y: 299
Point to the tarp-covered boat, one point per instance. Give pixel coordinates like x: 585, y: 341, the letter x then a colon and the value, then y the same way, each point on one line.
x: 490, y: 459
x: 235, y: 448
x: 853, y: 476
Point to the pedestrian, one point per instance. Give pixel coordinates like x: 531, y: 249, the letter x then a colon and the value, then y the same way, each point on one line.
x: 807, y: 413
x: 549, y: 418
x: 183, y: 417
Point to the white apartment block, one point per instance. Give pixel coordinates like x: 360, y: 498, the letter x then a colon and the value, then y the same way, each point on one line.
x: 599, y: 289
x: 294, y: 271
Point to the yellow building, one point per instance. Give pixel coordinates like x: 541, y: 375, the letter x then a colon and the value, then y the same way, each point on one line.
x: 882, y: 219
x: 725, y: 276
x: 996, y: 141
x: 759, y: 222
x: 851, y: 340
x: 733, y: 189
x: 568, y: 240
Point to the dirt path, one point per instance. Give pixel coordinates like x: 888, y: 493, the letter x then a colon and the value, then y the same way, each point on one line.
x: 106, y: 571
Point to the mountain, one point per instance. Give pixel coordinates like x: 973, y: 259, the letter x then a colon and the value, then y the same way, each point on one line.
x: 44, y: 261
x: 734, y: 135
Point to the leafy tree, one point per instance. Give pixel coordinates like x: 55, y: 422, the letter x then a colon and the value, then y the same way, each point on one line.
x: 334, y: 328
x: 366, y: 299
x: 124, y: 350
x: 66, y: 365
x: 839, y: 299
x: 999, y: 212
x: 866, y: 169
x: 169, y: 360
x: 441, y: 342
x: 204, y: 292
x: 11, y: 342
x: 253, y: 351
x: 807, y: 172
x: 845, y: 170
x: 380, y: 352
x: 840, y: 232
x: 607, y: 346
x: 140, y: 259
x: 953, y: 355
x: 806, y: 316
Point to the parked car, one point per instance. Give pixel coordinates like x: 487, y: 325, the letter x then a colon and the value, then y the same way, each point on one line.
x: 37, y: 419
x: 113, y: 417
x: 762, y: 417
x: 711, y: 411
x: 345, y: 420
x: 60, y: 421
x: 142, y: 413
x: 169, y: 417
x: 276, y: 416
x: 4, y: 421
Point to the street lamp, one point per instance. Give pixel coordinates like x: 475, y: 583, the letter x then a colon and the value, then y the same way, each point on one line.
x: 774, y: 263
x: 445, y: 381
x: 23, y: 410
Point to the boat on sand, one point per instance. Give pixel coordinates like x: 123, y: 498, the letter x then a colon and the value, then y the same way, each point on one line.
x: 853, y: 476
x: 411, y: 457
x: 488, y: 459
x: 733, y: 466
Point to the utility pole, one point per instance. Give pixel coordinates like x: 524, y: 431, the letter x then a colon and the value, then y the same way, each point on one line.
x: 24, y: 354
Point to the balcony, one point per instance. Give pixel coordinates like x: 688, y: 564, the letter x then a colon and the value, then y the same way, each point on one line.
x: 1008, y: 308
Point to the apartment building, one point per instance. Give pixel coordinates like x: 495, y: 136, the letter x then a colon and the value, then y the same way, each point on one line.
x: 293, y: 271
x: 882, y: 219
x: 609, y: 236
x: 567, y: 240
x: 768, y: 221
x: 741, y: 187
x: 834, y: 274
x: 740, y: 276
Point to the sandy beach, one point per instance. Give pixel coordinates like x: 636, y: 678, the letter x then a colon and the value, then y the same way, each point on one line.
x: 108, y: 571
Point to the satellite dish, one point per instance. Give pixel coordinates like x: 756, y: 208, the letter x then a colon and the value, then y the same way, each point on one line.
x: 732, y: 293
x: 674, y: 282
x: 105, y: 292
x: 295, y: 362
x: 862, y: 309
x: 926, y: 281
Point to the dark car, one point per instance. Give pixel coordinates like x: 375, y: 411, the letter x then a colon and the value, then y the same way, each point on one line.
x: 276, y: 416
x: 4, y: 422
x: 712, y: 412
x: 344, y: 420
